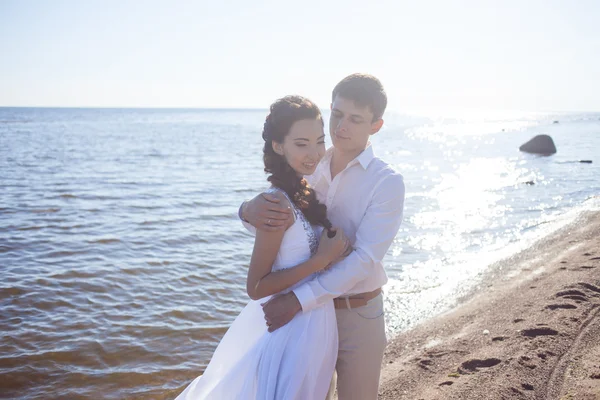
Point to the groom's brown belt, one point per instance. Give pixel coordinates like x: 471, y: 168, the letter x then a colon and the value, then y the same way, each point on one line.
x: 356, y: 300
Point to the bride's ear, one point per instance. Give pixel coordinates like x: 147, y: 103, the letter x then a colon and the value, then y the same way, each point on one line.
x: 277, y: 147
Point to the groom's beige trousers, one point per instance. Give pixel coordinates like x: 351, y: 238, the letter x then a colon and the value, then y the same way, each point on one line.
x: 362, y: 342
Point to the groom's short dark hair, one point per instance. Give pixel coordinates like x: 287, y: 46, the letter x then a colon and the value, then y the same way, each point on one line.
x: 365, y: 90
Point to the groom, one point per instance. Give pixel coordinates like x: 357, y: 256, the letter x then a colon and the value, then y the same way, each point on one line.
x: 365, y: 198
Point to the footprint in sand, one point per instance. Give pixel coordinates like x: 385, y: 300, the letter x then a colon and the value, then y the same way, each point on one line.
x: 516, y: 391
x: 560, y: 306
x: 572, y: 294
x: 527, y: 362
x: 545, y: 354
x: 473, y: 365
x: 589, y: 286
x: 423, y: 363
x: 534, y: 332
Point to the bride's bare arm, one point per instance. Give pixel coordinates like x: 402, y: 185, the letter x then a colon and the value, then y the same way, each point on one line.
x: 262, y: 282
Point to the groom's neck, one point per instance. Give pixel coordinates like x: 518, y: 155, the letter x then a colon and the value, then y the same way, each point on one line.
x: 340, y: 159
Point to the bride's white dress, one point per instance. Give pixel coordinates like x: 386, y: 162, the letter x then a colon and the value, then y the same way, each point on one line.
x: 294, y: 362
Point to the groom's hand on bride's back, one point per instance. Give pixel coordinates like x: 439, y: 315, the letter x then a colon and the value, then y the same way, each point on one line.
x: 281, y: 309
x: 268, y: 211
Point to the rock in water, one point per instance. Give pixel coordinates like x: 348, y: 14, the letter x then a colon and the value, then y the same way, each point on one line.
x: 540, y: 144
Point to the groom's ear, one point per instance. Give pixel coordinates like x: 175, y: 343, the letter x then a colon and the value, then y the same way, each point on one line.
x: 277, y: 147
x: 376, y: 126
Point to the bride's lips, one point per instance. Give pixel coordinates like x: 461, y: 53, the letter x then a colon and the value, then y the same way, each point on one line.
x: 309, y: 165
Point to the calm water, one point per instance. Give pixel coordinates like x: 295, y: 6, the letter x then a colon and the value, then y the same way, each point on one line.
x: 123, y: 261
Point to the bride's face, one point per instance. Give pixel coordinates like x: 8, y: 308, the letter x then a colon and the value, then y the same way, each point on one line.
x: 304, y: 146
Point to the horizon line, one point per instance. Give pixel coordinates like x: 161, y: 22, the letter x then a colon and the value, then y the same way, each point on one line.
x: 406, y: 111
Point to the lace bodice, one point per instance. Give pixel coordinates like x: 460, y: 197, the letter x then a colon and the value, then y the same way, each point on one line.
x: 300, y: 240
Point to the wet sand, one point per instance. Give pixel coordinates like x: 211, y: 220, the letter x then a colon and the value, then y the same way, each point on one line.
x: 532, y: 333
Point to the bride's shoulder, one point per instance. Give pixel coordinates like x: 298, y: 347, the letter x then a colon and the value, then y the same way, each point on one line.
x: 280, y: 195
x: 283, y: 199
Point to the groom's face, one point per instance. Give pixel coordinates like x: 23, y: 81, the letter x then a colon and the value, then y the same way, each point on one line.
x: 350, y: 126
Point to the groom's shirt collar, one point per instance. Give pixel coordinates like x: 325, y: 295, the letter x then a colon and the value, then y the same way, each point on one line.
x: 323, y: 170
x: 365, y: 157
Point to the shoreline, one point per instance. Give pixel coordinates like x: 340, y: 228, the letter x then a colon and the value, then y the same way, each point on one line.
x: 532, y: 332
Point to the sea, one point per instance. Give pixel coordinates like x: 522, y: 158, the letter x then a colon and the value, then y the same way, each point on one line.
x: 123, y: 261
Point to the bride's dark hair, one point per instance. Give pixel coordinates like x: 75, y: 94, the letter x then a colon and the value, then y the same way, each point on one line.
x: 283, y: 114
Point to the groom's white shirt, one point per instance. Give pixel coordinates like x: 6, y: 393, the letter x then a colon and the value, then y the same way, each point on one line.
x: 366, y: 200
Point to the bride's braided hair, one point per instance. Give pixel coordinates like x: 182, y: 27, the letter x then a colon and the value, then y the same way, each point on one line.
x: 283, y: 114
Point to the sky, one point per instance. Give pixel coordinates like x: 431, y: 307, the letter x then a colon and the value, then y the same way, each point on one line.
x: 530, y: 55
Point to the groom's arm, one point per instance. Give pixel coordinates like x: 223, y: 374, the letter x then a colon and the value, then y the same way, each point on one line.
x: 374, y: 236
x: 267, y: 211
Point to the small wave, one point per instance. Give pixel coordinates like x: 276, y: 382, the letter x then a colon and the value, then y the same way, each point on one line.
x: 192, y: 279
x: 212, y: 329
x: 71, y: 358
x: 178, y: 314
x: 66, y: 228
x: 196, y: 204
x: 46, y: 210
x: 158, y: 263
x: 218, y: 217
x: 6, y: 249
x: 104, y: 241
x: 60, y: 254
x: 146, y: 207
x: 134, y: 271
x: 172, y: 221
x: 11, y: 291
x: 14, y: 121
x: 72, y: 274
x: 150, y: 223
x: 101, y: 197
x: 186, y: 240
x: 30, y: 228
x: 47, y: 305
x: 248, y: 190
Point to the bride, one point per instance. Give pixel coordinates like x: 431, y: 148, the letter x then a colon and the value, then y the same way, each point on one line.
x: 297, y: 360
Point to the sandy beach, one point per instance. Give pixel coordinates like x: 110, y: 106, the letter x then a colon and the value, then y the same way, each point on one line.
x: 532, y: 332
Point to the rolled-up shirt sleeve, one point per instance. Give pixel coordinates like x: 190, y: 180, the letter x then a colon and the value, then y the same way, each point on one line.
x: 374, y: 236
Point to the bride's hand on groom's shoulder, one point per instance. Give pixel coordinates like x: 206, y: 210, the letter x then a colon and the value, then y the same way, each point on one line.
x: 332, y: 249
x: 268, y: 212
